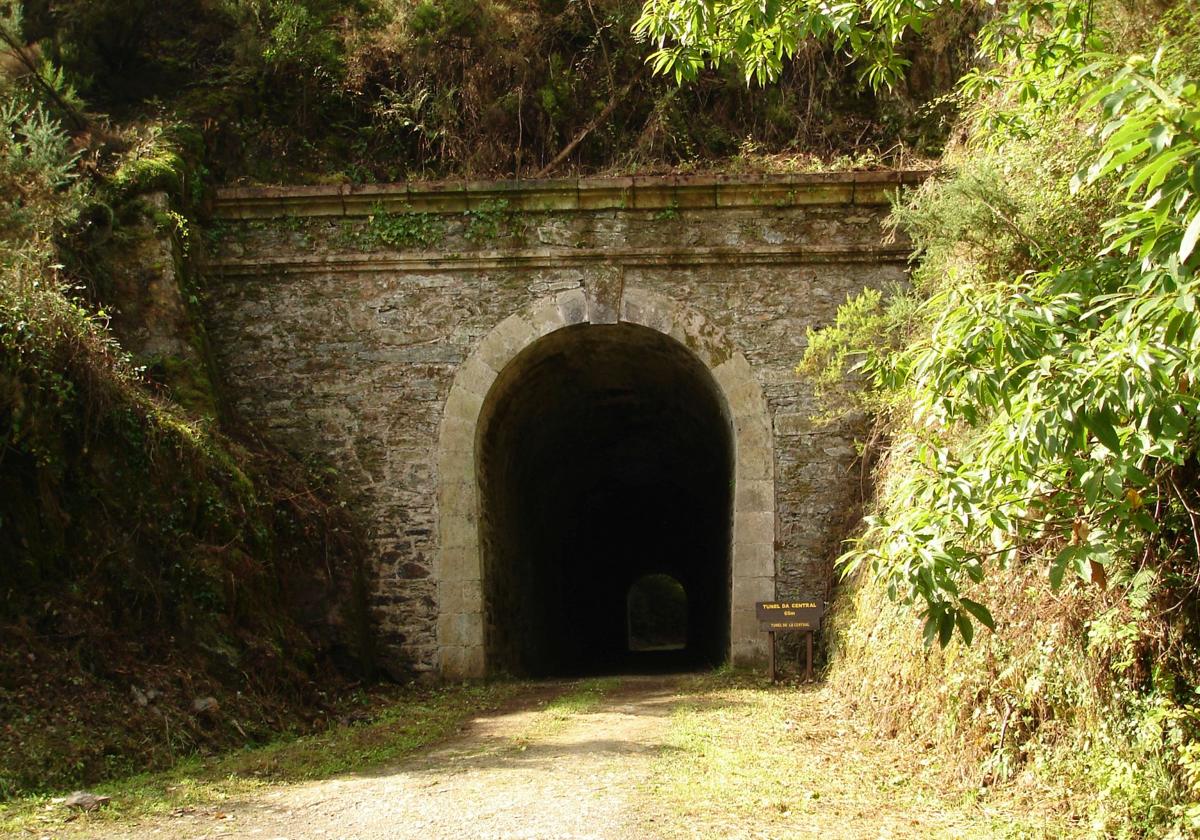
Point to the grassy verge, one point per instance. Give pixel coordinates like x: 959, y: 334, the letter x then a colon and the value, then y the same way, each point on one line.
x: 744, y: 760
x: 393, y: 724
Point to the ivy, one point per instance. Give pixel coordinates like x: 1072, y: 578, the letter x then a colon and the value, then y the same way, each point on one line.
x: 487, y: 221
x: 405, y: 230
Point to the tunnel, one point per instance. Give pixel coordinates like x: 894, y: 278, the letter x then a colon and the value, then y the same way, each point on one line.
x: 604, y: 458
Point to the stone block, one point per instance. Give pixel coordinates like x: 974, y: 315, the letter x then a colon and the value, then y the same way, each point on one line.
x: 546, y: 200
x: 748, y: 591
x: 460, y: 564
x: 791, y: 425
x: 457, y: 496
x: 474, y: 662
x: 460, y: 629
x: 456, y: 433
x: 463, y: 405
x: 754, y: 559
x: 604, y: 292
x: 546, y: 317
x: 641, y: 307
x: 450, y: 597
x: 451, y: 660
x: 700, y: 336
x: 749, y: 653
x: 605, y: 193
x: 755, y: 494
x: 754, y: 462
x: 459, y: 530
x: 742, y: 391
x: 754, y: 429
x: 460, y: 596
x: 447, y: 630
x: 572, y: 307
x: 753, y: 527
x: 743, y: 624
x: 457, y: 466
x: 472, y: 594
x: 475, y: 376
x: 510, y: 337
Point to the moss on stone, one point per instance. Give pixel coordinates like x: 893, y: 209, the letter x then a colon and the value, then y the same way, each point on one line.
x: 189, y: 383
x: 167, y: 162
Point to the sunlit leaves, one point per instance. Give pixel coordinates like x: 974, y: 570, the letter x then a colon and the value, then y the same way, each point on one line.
x: 1047, y: 38
x: 758, y: 37
x: 1068, y: 392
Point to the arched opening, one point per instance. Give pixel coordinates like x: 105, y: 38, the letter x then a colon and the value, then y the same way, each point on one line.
x: 604, y: 454
x: 657, y: 612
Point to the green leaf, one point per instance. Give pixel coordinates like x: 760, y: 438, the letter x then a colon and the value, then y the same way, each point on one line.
x: 965, y: 628
x: 946, y: 628
x: 1059, y: 565
x: 1100, y: 425
x: 981, y: 613
x: 1160, y: 136
x: 931, y: 627
x: 1190, y: 235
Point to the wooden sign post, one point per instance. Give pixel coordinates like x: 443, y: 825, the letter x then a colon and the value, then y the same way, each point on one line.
x: 804, y: 616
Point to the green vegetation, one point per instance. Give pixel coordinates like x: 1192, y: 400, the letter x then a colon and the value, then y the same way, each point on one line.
x: 487, y: 221
x: 406, y: 229
x: 776, y: 762
x: 668, y: 214
x: 364, y: 90
x: 151, y: 559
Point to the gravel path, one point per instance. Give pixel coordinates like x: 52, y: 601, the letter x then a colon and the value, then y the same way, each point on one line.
x: 512, y: 775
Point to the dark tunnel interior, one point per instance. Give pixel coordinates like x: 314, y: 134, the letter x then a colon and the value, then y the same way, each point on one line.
x: 605, y: 455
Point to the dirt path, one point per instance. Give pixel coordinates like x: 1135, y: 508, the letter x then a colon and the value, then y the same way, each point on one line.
x: 639, y: 757
x: 532, y: 772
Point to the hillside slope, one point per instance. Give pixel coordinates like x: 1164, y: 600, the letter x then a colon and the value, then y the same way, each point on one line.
x: 168, y: 582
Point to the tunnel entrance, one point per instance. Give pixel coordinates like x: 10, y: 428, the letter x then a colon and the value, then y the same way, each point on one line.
x: 604, y: 455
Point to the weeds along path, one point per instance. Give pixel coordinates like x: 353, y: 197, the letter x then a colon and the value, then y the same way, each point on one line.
x: 638, y: 757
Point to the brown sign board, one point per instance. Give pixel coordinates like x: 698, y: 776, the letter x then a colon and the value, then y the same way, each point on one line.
x: 790, y: 615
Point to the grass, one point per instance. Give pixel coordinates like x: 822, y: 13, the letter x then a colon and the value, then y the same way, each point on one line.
x: 398, y: 723
x: 745, y: 760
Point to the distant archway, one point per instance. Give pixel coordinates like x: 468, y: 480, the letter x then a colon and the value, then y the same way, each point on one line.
x: 471, y: 611
x: 656, y: 607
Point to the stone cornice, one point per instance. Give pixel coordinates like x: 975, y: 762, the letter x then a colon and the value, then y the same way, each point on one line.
x: 557, y: 258
x: 682, y: 192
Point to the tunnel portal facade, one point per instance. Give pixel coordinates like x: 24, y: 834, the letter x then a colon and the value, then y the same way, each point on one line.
x: 584, y: 446
x: 558, y: 390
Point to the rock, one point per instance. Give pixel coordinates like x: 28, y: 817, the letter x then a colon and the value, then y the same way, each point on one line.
x: 86, y: 801
x: 202, y: 705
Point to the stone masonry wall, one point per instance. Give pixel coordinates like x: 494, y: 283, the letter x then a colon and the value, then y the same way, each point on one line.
x: 339, y: 317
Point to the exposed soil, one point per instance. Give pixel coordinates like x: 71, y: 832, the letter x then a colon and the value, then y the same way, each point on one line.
x: 606, y: 769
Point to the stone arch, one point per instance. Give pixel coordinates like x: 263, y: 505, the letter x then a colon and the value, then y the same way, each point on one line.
x: 460, y: 630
